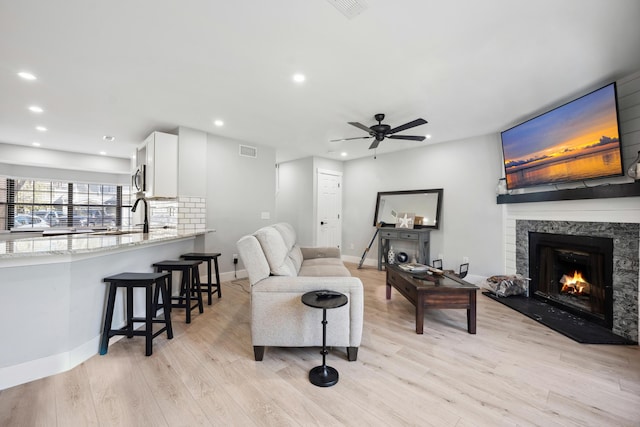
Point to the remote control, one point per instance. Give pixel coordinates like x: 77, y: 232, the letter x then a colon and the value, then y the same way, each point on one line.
x: 326, y: 294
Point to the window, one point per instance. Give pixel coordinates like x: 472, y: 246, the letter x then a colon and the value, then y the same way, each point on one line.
x: 3, y: 204
x: 27, y: 203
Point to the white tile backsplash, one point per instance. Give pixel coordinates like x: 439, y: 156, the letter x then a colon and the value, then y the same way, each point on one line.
x: 191, y: 213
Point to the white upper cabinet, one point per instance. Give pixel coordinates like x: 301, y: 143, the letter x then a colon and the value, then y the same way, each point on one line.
x: 159, y: 153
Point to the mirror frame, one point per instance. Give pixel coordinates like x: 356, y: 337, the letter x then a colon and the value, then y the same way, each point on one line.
x: 438, y: 191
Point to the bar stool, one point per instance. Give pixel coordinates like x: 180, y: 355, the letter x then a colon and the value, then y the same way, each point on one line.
x: 207, y: 257
x: 189, y: 284
x: 130, y: 281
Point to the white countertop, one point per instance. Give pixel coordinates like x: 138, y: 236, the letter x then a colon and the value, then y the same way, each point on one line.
x: 86, y: 242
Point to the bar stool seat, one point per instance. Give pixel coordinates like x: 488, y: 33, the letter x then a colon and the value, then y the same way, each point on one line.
x: 130, y: 281
x: 202, y: 256
x: 189, y: 284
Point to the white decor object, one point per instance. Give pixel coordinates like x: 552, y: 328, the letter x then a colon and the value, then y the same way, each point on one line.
x: 391, y: 256
x: 405, y: 220
x: 634, y: 168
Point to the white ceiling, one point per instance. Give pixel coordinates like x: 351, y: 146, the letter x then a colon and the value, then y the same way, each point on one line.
x: 126, y: 68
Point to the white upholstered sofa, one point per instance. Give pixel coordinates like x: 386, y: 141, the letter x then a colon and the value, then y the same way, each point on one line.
x: 280, y: 272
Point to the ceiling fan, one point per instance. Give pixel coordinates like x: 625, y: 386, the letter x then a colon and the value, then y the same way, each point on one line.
x: 382, y: 131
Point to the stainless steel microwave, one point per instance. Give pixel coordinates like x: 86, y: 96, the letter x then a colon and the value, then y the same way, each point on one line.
x: 139, y: 179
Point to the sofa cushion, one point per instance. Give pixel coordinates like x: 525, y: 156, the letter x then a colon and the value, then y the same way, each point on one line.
x: 276, y: 252
x: 324, y: 267
x: 296, y: 257
x: 288, y: 234
x: 253, y: 259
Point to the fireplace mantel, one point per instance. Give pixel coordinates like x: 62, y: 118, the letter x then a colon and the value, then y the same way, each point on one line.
x: 597, y: 192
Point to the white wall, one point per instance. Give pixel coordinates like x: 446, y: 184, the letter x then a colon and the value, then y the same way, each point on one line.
x: 29, y: 162
x: 239, y: 190
x: 294, y: 199
x: 629, y: 115
x: 192, y: 162
x: 471, y: 221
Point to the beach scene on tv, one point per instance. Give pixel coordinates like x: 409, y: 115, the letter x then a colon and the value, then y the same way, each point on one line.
x: 574, y: 142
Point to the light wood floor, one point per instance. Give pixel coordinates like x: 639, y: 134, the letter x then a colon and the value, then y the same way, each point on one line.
x: 513, y: 372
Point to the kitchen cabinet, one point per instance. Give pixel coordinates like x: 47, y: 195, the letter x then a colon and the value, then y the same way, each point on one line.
x: 159, y: 155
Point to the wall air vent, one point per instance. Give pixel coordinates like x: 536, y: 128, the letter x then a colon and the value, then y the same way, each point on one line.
x: 349, y: 8
x: 248, y: 151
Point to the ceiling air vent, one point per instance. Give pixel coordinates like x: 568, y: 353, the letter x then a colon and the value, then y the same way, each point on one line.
x: 248, y: 151
x: 349, y: 8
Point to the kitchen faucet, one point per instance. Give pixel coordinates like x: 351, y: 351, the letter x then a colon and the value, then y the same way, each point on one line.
x: 145, y: 226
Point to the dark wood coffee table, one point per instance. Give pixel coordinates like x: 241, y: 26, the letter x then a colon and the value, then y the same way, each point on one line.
x: 426, y: 291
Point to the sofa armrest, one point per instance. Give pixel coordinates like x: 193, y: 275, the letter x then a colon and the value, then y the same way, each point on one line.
x: 328, y: 252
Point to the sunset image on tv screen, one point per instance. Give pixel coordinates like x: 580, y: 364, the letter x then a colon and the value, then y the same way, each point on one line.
x: 574, y: 142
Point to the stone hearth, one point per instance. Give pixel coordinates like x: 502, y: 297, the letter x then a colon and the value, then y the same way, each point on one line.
x: 626, y: 262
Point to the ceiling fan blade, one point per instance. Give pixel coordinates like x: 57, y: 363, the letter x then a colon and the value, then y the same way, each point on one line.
x: 416, y: 122
x: 374, y: 144
x: 349, y: 139
x: 361, y: 126
x: 409, y: 137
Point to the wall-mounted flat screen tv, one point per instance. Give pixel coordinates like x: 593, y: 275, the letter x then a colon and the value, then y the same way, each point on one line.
x: 575, y: 142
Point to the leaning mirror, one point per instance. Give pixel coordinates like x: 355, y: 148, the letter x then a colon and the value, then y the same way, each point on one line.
x: 424, y: 204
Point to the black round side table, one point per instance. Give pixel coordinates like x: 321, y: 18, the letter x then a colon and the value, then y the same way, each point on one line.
x: 323, y: 375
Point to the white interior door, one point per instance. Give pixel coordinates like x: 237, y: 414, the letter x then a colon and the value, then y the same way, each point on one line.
x: 329, y: 203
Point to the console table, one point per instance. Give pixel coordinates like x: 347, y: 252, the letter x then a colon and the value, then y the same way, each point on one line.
x: 419, y: 236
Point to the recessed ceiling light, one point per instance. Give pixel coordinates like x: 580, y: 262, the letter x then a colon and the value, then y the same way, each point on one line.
x: 103, y: 153
x: 35, y: 144
x: 428, y: 136
x: 218, y: 122
x: 35, y: 109
x: 344, y: 154
x: 41, y: 128
x: 299, y: 78
x: 27, y: 76
x: 109, y: 138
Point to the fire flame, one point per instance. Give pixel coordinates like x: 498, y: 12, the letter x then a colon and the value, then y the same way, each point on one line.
x: 575, y: 285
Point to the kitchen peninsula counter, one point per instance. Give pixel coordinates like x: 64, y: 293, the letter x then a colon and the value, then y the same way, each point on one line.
x: 27, y: 248
x: 52, y: 296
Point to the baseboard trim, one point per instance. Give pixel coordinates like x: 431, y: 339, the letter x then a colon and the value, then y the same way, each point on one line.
x: 356, y: 260
x: 11, y: 376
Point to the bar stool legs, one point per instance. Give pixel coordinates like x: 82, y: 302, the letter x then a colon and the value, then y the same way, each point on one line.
x: 189, y: 285
x: 207, y: 257
x: 130, y: 281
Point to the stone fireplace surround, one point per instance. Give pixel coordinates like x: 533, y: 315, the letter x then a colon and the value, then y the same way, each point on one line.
x: 626, y: 262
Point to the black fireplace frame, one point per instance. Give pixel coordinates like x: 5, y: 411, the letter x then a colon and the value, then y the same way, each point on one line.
x: 601, y: 245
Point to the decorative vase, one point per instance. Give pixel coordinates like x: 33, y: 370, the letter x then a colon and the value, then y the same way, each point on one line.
x: 391, y: 256
x: 402, y: 257
x: 634, y: 168
x: 502, y: 186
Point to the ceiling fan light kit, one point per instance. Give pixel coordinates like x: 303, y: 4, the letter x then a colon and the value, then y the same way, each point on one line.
x: 381, y: 131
